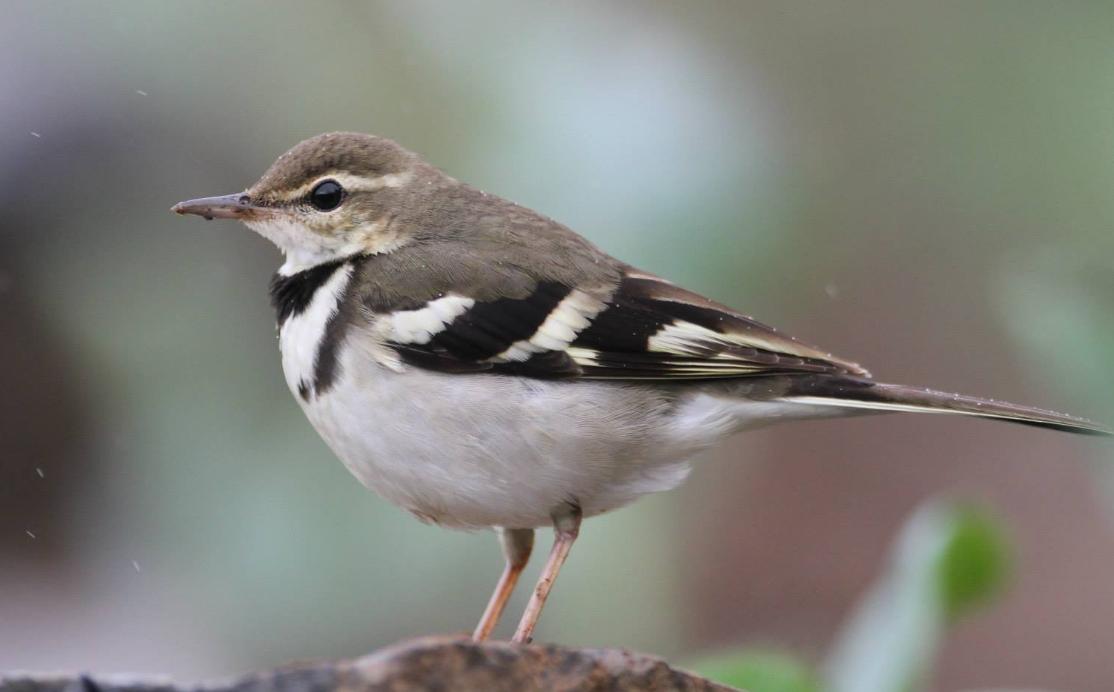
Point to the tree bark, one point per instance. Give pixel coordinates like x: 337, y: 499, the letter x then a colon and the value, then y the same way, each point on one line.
x: 441, y: 663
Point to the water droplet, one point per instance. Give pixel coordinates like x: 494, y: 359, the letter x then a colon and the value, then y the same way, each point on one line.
x: 39, y: 470
x: 35, y: 134
x: 135, y: 564
x: 31, y: 534
x: 141, y: 92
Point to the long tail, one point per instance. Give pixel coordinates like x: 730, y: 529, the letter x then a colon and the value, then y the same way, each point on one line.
x: 857, y: 393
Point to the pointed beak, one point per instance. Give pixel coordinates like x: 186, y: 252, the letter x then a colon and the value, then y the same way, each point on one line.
x: 237, y: 206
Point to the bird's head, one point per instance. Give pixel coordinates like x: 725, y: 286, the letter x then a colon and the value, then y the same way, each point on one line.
x: 329, y: 197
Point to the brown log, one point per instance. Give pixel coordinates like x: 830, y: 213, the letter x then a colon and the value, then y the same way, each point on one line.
x: 431, y: 663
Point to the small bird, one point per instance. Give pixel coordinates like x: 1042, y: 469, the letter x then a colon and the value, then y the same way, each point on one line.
x: 481, y: 365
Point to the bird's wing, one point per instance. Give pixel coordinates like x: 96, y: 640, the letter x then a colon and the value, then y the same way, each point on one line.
x: 636, y: 328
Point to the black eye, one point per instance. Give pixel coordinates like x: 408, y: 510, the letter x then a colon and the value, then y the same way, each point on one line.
x: 327, y: 195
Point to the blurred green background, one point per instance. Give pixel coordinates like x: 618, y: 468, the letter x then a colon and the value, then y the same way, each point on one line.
x: 924, y: 188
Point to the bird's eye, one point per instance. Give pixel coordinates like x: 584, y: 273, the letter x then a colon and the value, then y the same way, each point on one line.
x: 327, y: 195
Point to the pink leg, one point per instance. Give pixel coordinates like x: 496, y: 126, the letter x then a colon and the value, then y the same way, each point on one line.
x: 566, y: 526
x: 517, y: 545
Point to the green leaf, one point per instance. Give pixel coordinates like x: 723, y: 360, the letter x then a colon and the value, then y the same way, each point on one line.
x: 947, y: 559
x: 760, y: 671
x: 974, y: 563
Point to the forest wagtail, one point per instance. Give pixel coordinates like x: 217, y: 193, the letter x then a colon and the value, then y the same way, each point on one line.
x: 479, y: 364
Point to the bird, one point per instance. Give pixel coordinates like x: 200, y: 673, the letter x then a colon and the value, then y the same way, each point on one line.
x: 483, y: 366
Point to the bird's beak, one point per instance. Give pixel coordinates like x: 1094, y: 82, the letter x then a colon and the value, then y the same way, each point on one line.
x: 237, y: 206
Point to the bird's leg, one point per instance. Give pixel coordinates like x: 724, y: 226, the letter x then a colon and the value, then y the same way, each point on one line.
x: 566, y: 526
x: 517, y: 544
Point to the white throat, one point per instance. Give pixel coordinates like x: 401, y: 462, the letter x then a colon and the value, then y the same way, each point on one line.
x: 305, y: 248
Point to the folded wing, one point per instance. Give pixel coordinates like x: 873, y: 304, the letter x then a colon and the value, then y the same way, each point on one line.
x: 643, y: 327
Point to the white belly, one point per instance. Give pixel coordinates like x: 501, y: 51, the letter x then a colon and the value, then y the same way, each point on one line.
x: 490, y: 450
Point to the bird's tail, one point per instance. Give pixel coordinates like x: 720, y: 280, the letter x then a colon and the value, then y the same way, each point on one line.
x: 858, y: 393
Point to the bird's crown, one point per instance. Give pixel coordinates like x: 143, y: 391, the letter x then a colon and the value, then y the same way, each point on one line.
x: 362, y: 161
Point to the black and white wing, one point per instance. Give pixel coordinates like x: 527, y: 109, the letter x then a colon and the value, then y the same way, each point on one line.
x: 641, y: 327
x: 649, y: 329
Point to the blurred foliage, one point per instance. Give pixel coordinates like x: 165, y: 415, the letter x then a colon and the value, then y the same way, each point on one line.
x: 948, y: 559
x: 760, y: 671
x: 1056, y: 302
x: 974, y: 563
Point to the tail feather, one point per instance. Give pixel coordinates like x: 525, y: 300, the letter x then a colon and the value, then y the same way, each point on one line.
x: 849, y: 392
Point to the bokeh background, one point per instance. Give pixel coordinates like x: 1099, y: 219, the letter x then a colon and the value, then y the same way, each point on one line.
x: 926, y: 188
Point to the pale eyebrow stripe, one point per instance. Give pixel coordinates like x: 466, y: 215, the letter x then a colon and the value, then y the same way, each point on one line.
x: 351, y: 183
